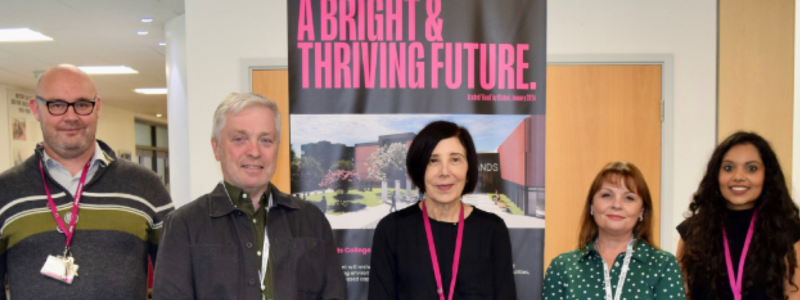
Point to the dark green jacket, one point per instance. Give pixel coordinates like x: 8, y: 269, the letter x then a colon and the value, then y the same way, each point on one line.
x: 202, y: 252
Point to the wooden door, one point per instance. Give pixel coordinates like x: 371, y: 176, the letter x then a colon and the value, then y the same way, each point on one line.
x: 274, y: 84
x: 597, y: 114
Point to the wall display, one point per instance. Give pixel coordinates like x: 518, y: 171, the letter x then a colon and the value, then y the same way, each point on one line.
x: 366, y: 76
x: 23, y: 127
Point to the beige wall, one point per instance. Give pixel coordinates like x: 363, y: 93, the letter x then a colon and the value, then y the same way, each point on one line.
x: 5, y: 155
x: 33, y: 131
x: 116, y: 129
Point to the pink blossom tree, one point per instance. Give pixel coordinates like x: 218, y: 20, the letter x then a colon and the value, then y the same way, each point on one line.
x: 339, y: 180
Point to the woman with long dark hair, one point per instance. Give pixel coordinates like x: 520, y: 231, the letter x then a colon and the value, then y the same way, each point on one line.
x: 742, y: 213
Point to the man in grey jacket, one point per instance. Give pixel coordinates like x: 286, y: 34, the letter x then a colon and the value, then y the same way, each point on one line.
x: 246, y: 239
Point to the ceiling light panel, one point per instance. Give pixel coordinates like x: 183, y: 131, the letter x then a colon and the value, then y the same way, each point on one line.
x: 22, y: 35
x: 151, y: 91
x: 97, y: 70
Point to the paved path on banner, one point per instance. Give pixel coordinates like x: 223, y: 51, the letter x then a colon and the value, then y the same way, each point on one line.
x: 369, y: 217
x: 364, y: 219
x: 485, y: 203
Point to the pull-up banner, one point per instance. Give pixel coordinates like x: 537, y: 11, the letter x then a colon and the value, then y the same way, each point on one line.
x: 366, y: 75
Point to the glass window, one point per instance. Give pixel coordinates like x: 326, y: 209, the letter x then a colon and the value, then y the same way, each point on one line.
x: 143, y: 134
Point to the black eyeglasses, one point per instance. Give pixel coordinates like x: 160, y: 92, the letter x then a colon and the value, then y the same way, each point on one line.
x: 59, y: 107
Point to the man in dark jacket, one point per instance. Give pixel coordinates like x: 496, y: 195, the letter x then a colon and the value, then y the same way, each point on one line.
x: 246, y: 239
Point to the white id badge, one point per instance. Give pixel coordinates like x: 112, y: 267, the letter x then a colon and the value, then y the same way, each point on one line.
x: 56, y: 267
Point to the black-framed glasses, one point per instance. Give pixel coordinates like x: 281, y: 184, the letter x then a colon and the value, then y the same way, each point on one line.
x: 59, y: 107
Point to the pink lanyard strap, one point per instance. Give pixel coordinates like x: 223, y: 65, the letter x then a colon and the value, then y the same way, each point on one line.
x: 435, y: 260
x: 54, y: 209
x: 736, y: 284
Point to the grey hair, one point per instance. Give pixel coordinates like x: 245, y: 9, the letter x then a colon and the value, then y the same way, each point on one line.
x: 234, y: 103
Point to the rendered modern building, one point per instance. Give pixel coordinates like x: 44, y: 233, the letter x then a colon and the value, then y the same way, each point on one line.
x: 522, y: 165
x: 327, y: 153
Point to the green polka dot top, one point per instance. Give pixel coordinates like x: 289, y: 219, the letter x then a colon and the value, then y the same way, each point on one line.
x: 652, y: 274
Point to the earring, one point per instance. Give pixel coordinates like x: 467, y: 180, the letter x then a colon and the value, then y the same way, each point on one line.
x: 591, y: 212
x: 641, y: 218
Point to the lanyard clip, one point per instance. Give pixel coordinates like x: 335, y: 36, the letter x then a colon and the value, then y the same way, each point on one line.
x: 66, y: 250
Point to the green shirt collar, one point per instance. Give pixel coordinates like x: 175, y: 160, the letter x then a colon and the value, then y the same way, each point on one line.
x: 241, y: 200
x: 641, y: 251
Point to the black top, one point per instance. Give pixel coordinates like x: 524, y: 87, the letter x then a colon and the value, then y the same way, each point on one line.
x: 737, y: 226
x: 401, y: 265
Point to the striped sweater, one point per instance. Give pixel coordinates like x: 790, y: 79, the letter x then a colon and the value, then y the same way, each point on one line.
x: 119, y: 224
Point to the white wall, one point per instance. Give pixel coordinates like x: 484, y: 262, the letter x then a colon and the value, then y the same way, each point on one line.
x: 221, y: 33
x: 687, y: 30
x: 178, y: 109
x: 218, y: 35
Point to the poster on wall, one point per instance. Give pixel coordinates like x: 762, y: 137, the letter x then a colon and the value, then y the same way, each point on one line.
x: 366, y: 76
x: 22, y: 125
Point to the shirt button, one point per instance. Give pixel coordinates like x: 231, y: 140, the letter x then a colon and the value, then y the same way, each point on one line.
x: 238, y: 213
x: 244, y: 195
x: 249, y: 245
x: 252, y: 281
x: 258, y: 253
x: 254, y: 220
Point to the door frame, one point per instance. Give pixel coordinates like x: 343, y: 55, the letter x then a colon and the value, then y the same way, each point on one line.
x: 248, y: 65
x: 667, y: 62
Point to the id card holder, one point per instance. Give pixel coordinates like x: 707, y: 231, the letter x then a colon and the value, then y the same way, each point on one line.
x: 58, y: 268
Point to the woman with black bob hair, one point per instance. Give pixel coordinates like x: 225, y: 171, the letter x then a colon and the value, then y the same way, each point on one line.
x: 742, y: 213
x: 441, y: 248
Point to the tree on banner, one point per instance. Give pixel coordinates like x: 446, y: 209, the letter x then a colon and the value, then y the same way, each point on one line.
x: 339, y: 181
x: 388, y: 162
x: 309, y: 170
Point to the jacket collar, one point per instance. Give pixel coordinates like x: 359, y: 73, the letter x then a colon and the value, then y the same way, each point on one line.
x: 220, y: 204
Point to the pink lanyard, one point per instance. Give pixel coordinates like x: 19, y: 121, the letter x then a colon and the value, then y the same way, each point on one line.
x: 54, y: 209
x: 432, y: 248
x: 736, y: 284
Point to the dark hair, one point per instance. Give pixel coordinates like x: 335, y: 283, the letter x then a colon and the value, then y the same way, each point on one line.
x: 622, y: 174
x: 772, y: 247
x: 419, y: 153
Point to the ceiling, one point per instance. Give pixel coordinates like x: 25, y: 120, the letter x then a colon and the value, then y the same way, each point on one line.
x: 92, y: 32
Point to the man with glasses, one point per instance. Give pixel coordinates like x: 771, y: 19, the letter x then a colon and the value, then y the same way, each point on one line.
x: 77, y: 223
